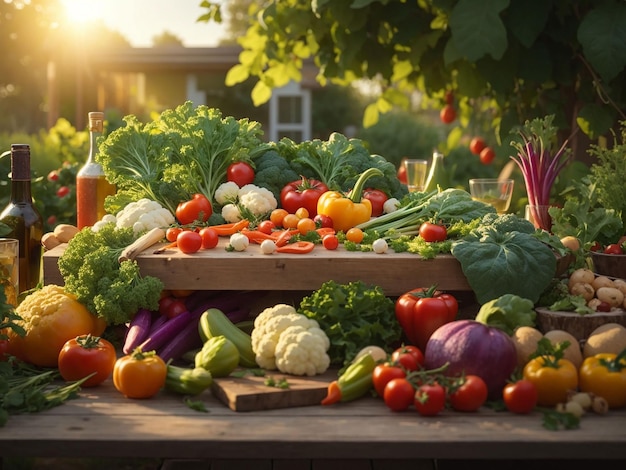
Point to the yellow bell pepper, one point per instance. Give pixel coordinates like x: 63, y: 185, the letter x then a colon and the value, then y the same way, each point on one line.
x: 347, y: 212
x: 604, y: 375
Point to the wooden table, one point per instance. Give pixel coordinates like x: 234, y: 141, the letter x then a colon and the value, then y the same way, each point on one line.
x: 218, y: 269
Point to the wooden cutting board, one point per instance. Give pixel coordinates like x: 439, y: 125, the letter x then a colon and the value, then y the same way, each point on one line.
x: 250, y: 393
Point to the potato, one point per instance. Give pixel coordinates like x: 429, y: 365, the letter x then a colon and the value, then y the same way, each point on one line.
x: 49, y: 240
x: 611, y: 296
x: 620, y: 284
x: 571, y: 242
x: 65, y: 232
x: 572, y: 352
x: 585, y: 290
x: 602, y: 281
x: 607, y: 338
x: 581, y: 275
x: 525, y: 339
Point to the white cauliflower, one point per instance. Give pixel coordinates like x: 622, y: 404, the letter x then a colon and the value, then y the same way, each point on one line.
x: 231, y: 213
x: 302, y: 351
x: 144, y: 215
x: 226, y: 193
x: 257, y: 200
x: 290, y: 342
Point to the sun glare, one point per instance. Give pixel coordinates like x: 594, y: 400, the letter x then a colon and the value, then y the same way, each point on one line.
x: 82, y: 11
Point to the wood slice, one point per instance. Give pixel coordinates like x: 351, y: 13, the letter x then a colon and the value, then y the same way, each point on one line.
x: 580, y: 326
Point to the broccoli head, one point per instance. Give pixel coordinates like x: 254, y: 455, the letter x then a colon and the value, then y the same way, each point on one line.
x: 272, y: 171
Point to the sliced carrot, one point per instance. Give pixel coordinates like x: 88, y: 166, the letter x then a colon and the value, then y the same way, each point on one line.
x: 256, y: 236
x: 325, y: 231
x: 296, y: 248
x: 225, y: 230
x: 283, y: 236
x: 169, y: 246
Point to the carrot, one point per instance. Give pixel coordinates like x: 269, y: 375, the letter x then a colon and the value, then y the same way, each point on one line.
x: 256, y: 236
x: 282, y: 237
x: 325, y: 231
x: 225, y: 230
x: 296, y: 248
x: 169, y: 246
x: 333, y: 394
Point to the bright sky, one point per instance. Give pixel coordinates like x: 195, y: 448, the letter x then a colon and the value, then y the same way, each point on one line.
x: 140, y: 20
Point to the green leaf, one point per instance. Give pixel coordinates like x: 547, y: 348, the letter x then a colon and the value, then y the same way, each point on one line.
x: 261, y: 93
x: 370, y: 116
x: 602, y: 34
x: 496, y: 264
x: 477, y: 29
x: 526, y: 19
x: 237, y: 74
x: 595, y: 120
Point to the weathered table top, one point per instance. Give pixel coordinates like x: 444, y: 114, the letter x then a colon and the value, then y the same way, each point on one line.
x: 101, y: 422
x: 218, y: 269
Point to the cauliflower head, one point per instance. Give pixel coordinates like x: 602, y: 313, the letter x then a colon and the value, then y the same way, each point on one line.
x: 226, y: 193
x: 289, y: 341
x: 144, y: 215
x: 257, y: 200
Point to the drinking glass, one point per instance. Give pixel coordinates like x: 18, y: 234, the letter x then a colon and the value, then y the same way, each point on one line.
x: 9, y: 268
x: 416, y: 171
x: 492, y: 191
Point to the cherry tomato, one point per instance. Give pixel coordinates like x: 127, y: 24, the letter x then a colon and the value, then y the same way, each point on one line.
x: 433, y: 232
x: 277, y: 216
x: 171, y: 234
x: 302, y: 193
x: 197, y: 208
x: 477, y: 144
x: 267, y: 226
x: 487, y: 155
x: 447, y: 114
x: 291, y: 221
x: 430, y: 399
x: 520, y: 397
x: 53, y: 175
x: 398, y: 394
x: 302, y: 213
x: 470, y: 395
x: 139, y: 374
x: 613, y: 249
x: 171, y: 306
x: 189, y: 241
x: 330, y: 242
x: 323, y: 221
x: 63, y: 191
x: 355, y: 235
x: 383, y: 374
x: 409, y: 356
x: 306, y: 225
x: 85, y: 355
x: 377, y: 198
x: 209, y: 238
x: 240, y: 173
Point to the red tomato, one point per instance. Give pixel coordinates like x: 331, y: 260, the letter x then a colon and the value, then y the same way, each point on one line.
x: 613, y: 249
x: 433, y: 232
x: 53, y: 175
x: 171, y: 307
x: 449, y: 97
x: 520, y: 397
x: 377, y: 198
x: 477, y: 144
x: 189, y: 241
x: 171, y: 234
x: 197, y: 208
x: 383, y: 374
x: 470, y: 395
x: 401, y: 173
x: 398, y: 394
x: 330, y: 241
x: 85, y: 355
x: 447, y: 114
x: 410, y: 357
x: 596, y: 246
x: 209, y: 238
x: 421, y: 311
x: 63, y: 191
x: 302, y: 193
x: 430, y: 399
x: 4, y: 349
x: 323, y: 221
x: 240, y: 173
x: 267, y: 226
x: 487, y: 156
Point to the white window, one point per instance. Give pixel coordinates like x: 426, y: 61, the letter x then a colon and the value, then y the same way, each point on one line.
x: 290, y: 113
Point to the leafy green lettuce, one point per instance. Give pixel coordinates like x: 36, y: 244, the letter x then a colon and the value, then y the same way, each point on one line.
x: 507, y: 313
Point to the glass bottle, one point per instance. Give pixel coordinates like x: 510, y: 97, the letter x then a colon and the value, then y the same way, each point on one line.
x: 92, y: 186
x: 24, y: 219
x: 437, y: 176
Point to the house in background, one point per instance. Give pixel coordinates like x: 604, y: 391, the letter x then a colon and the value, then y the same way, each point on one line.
x: 144, y: 80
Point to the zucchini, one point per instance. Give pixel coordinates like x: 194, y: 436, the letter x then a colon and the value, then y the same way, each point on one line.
x: 213, y: 322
